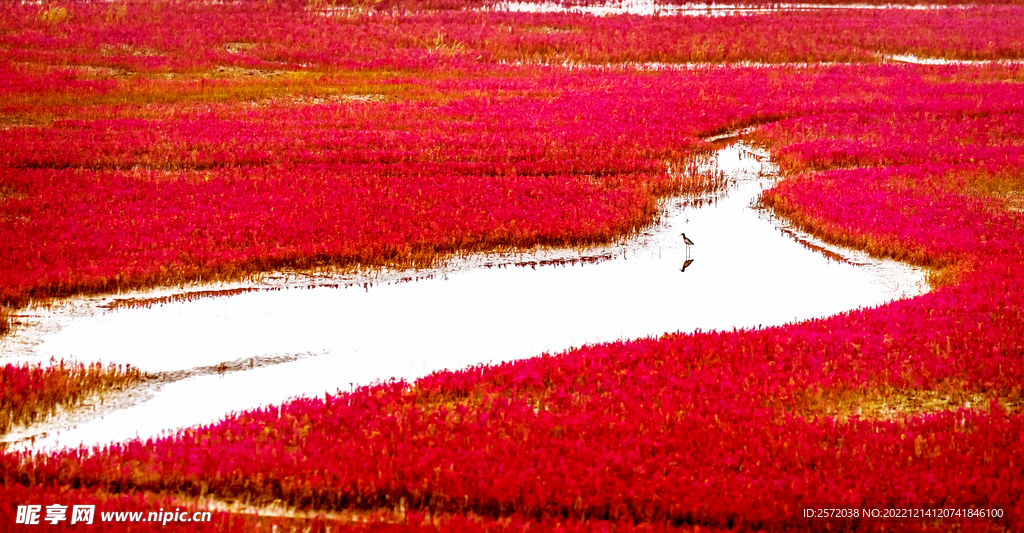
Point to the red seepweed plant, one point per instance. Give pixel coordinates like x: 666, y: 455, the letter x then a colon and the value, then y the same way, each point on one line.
x: 31, y: 393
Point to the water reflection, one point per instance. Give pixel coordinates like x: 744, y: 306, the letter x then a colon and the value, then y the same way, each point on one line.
x: 222, y: 354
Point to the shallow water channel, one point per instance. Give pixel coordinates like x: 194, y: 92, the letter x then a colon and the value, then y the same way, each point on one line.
x: 299, y: 336
x: 649, y: 7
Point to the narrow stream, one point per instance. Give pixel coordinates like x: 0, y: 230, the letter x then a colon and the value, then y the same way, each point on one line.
x: 276, y: 341
x: 648, y: 8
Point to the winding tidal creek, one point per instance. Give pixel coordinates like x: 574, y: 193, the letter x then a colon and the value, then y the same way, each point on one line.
x: 241, y: 346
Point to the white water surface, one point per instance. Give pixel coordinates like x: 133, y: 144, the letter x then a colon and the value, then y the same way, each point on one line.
x: 748, y: 270
x: 916, y: 60
x: 650, y: 8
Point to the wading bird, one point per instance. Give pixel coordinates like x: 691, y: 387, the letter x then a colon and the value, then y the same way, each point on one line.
x: 688, y: 244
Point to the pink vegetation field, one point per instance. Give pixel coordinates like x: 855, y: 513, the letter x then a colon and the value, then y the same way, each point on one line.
x: 154, y: 143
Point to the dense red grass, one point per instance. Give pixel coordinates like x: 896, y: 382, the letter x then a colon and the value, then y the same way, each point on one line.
x: 31, y: 393
x: 367, y: 197
x: 716, y: 429
x: 196, y: 37
x: 217, y: 190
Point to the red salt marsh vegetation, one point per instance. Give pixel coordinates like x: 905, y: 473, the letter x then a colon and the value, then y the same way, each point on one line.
x: 31, y: 393
x: 168, y: 142
x: 5, y: 320
x: 278, y: 41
